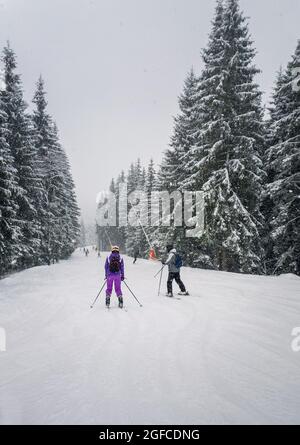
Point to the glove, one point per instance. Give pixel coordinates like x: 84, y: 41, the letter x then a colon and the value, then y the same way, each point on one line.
x: 122, y: 278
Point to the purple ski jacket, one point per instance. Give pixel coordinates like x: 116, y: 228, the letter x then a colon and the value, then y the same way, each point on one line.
x: 107, y: 262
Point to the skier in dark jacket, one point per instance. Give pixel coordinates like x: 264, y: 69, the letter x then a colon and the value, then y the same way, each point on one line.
x: 174, y: 273
x: 136, y: 255
x: 114, y: 274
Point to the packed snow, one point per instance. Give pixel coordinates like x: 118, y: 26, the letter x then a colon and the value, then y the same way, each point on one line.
x: 221, y: 355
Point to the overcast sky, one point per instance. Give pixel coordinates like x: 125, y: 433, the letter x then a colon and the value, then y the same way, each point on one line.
x: 113, y: 70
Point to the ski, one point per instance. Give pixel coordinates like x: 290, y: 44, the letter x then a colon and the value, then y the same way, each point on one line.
x: 173, y: 298
x: 117, y: 307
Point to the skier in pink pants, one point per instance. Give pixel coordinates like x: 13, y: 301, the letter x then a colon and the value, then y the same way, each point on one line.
x: 114, y: 273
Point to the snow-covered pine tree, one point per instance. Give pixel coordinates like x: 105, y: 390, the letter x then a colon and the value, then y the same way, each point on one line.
x: 178, y: 163
x: 283, y: 162
x: 60, y: 226
x: 52, y: 178
x: 107, y: 235
x: 26, y: 162
x: 10, y: 230
x: 174, y: 168
x: 113, y: 231
x: 186, y: 131
x: 82, y: 233
x: 147, y: 235
x: 142, y: 240
x: 133, y: 237
x: 134, y: 233
x: 144, y: 177
x: 151, y: 177
x: 272, y: 138
x: 69, y: 212
x: 139, y: 174
x: 114, y: 235
x: 197, y: 175
x: 121, y: 179
x: 232, y: 131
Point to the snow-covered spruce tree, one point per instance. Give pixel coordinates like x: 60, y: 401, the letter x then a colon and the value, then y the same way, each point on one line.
x: 10, y: 230
x: 272, y: 138
x: 151, y: 177
x: 115, y: 235
x: 52, y: 177
x: 113, y: 232
x: 173, y: 171
x: 134, y: 233
x: 121, y: 179
x: 139, y: 174
x: 147, y: 235
x: 82, y: 233
x: 231, y: 142
x: 283, y: 162
x: 143, y: 177
x: 131, y: 238
x: 197, y: 156
x: 178, y: 163
x: 60, y: 226
x: 26, y: 162
x: 131, y: 182
x: 69, y: 212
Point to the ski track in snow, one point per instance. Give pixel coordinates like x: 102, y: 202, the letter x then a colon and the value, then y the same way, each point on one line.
x: 221, y: 355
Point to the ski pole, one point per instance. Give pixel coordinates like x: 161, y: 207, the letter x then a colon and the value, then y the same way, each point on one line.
x: 159, y: 286
x: 160, y: 270
x: 132, y: 293
x: 98, y: 294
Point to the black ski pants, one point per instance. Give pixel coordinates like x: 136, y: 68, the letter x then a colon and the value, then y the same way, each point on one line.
x: 175, y: 276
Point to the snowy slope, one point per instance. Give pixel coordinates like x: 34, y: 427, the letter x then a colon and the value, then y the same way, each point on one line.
x: 221, y: 355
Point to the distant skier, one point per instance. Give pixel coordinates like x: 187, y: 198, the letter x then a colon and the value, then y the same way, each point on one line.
x: 136, y: 255
x: 87, y: 252
x: 174, y: 263
x: 114, y: 273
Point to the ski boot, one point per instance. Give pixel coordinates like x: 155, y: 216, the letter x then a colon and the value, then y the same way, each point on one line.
x: 121, y: 302
x: 169, y: 294
x: 183, y: 293
x: 107, y: 301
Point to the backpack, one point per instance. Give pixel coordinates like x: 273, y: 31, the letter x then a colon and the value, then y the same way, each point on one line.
x: 178, y: 261
x: 114, y: 264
